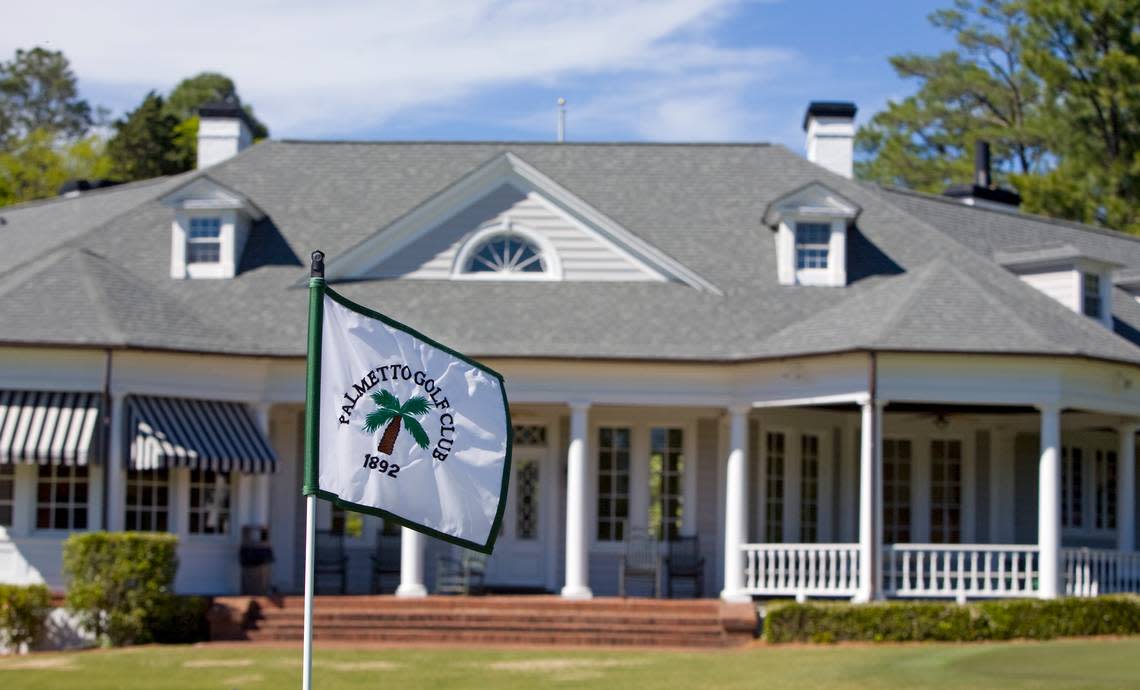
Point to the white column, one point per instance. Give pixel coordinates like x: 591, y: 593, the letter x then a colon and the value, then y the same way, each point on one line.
x: 1126, y: 486
x: 736, y: 505
x: 1049, y: 503
x: 411, y: 564
x: 577, y: 557
x: 870, y: 501
x: 115, y: 473
x: 261, y: 485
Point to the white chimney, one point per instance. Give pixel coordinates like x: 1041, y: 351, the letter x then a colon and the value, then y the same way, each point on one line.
x: 830, y: 128
x: 223, y: 131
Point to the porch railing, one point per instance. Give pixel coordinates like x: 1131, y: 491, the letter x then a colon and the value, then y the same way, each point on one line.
x: 960, y: 570
x: 1090, y: 572
x: 801, y: 570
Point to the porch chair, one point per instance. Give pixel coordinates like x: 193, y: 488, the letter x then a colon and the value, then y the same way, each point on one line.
x: 641, y: 560
x: 385, y: 560
x: 461, y: 574
x: 330, y: 559
x: 685, y: 562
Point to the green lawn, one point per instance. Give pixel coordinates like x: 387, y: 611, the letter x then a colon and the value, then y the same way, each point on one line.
x: 1058, y: 664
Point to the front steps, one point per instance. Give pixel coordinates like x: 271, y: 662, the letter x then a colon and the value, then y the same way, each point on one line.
x: 493, y: 620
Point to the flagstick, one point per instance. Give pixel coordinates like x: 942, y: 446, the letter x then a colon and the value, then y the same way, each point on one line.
x: 312, y: 451
x: 310, y: 535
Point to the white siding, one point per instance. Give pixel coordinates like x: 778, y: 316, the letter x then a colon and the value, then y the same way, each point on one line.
x: 583, y: 255
x: 1063, y: 286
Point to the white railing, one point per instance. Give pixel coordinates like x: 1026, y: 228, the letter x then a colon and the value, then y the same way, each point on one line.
x: 801, y: 570
x: 960, y: 570
x: 1089, y: 572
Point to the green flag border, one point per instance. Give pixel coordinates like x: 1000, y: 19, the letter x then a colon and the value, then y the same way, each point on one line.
x: 317, y: 290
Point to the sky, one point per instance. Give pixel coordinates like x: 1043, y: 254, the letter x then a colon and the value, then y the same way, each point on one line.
x: 631, y: 70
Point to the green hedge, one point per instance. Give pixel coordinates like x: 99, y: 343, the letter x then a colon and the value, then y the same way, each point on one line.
x: 950, y: 622
x: 23, y: 614
x: 179, y: 620
x: 119, y: 582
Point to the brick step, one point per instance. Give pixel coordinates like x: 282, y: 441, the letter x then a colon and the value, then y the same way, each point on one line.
x: 537, y: 618
x: 364, y: 603
x: 592, y: 639
x: 500, y: 626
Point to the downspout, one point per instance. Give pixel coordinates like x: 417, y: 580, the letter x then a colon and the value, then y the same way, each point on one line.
x: 105, y: 440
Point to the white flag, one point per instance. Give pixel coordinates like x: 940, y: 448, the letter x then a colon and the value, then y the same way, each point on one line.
x: 406, y: 428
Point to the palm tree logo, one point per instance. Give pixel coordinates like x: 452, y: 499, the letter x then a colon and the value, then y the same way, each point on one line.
x: 389, y: 411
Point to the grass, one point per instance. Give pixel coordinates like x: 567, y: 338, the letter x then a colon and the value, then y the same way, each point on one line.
x: 1098, y: 663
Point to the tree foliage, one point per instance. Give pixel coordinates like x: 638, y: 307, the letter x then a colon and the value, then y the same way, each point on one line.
x: 1050, y: 84
x: 39, y: 92
x: 146, y: 143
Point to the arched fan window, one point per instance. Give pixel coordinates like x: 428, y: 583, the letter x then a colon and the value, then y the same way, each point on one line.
x: 507, y: 253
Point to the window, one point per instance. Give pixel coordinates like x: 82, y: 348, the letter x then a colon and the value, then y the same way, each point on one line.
x: 526, y: 500
x: 666, y: 470
x: 945, y: 492
x: 204, y: 241
x: 813, y: 241
x: 1092, y: 304
x: 209, y: 502
x: 896, y: 491
x: 346, y: 523
x: 61, y: 497
x: 7, y: 486
x: 529, y: 435
x: 774, y: 519
x: 148, y: 500
x: 506, y: 254
x: 809, y: 488
x: 1104, y: 476
x: 1072, y: 487
x: 613, y: 483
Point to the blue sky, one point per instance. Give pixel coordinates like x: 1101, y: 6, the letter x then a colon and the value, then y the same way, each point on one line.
x: 669, y: 70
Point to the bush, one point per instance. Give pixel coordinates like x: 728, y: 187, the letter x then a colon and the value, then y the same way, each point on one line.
x: 949, y: 622
x: 119, y: 582
x: 179, y: 620
x: 23, y: 614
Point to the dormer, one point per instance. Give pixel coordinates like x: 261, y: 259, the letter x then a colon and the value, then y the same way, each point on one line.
x: 1080, y: 282
x: 209, y: 230
x: 811, y: 235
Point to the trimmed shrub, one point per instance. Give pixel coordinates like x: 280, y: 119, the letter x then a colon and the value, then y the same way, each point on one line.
x: 23, y: 614
x: 179, y: 620
x: 119, y: 581
x: 904, y: 621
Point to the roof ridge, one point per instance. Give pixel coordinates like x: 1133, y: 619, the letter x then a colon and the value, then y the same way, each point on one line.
x: 58, y: 199
x: 98, y: 291
x: 1036, y: 217
x: 519, y: 142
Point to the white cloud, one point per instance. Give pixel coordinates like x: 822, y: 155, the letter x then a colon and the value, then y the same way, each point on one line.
x: 344, y: 66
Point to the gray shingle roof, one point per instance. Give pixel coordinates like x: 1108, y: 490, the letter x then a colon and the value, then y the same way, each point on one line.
x: 912, y: 287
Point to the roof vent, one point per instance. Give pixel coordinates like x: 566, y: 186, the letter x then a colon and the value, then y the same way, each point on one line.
x: 73, y: 188
x: 983, y: 192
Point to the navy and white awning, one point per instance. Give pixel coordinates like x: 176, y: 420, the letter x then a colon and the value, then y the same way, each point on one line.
x: 199, y: 434
x: 48, y: 428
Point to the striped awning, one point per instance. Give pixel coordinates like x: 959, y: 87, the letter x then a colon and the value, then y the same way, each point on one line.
x: 48, y: 428
x: 199, y: 434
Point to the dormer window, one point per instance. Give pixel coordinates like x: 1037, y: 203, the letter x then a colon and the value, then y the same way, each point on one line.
x: 506, y: 251
x: 1093, y: 305
x: 211, y: 225
x: 811, y: 235
x: 813, y: 244
x: 204, y: 240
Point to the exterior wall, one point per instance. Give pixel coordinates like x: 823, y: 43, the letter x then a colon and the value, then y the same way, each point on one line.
x: 582, y: 253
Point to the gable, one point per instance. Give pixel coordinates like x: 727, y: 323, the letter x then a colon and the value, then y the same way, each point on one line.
x: 579, y: 252
x: 507, y: 190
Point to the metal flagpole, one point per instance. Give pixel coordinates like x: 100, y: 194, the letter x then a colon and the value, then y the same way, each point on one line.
x: 312, y: 449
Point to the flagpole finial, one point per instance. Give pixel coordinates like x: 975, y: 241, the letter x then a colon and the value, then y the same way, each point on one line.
x: 317, y: 270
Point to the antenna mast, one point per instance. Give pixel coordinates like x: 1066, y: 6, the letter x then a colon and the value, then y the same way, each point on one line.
x: 561, y: 120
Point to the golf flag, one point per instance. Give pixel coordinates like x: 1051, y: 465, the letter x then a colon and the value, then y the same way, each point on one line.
x: 403, y: 427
